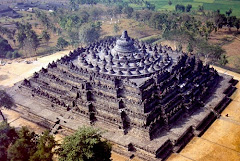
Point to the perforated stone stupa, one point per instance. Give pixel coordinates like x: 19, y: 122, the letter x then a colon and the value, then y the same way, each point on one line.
x: 124, y: 59
x: 150, y: 99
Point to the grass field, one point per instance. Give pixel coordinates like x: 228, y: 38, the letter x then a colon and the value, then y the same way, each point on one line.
x: 222, y: 5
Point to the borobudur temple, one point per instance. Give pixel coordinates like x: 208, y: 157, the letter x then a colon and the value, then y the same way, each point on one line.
x: 150, y: 99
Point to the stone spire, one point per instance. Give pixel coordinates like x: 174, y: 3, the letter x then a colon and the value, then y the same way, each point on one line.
x: 125, y: 35
x: 96, y: 68
x: 137, y: 71
x: 118, y: 64
x: 103, y: 69
x: 111, y: 71
x: 116, y: 56
x: 125, y: 44
x: 90, y: 65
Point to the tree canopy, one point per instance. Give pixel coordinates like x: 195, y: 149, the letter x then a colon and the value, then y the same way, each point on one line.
x: 43, y: 18
x: 27, y: 38
x: 62, y: 43
x: 89, y: 32
x: 116, y: 28
x: 45, y: 36
x: 24, y: 146
x: 128, y: 10
x: 188, y: 8
x: 5, y: 101
x: 85, y: 145
x: 5, y: 47
x: 180, y: 7
x: 189, y: 47
x: 8, y: 135
x: 45, y: 146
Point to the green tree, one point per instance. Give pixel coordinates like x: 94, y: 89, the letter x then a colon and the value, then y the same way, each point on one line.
x: 24, y: 147
x: 190, y: 47
x: 6, y: 31
x: 8, y: 135
x: 85, y: 145
x: 62, y: 43
x: 45, y: 36
x: 219, y: 19
x: 73, y: 5
x: 237, y: 24
x: 188, y: 8
x: 74, y: 38
x: 200, y: 8
x: 128, y: 10
x: 229, y: 12
x: 174, y: 25
x: 95, y: 13
x: 180, y: 7
x: 89, y: 32
x: 84, y: 17
x: 69, y: 22
x: 136, y: 15
x: 43, y: 18
x: 179, y: 47
x: 27, y: 38
x: 5, y: 101
x: 145, y: 16
x: 169, y: 2
x: 210, y: 52
x: 118, y: 10
x: 15, y: 54
x: 45, y: 147
x: 12, y: 55
x: 230, y: 22
x: 5, y: 47
x: 150, y: 6
x: 91, y: 2
x: 158, y: 19
x: 165, y: 28
x: 210, y: 27
x: 223, y: 60
x: 116, y: 28
x: 9, y: 55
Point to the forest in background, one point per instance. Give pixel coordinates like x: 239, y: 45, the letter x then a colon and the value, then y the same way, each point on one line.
x: 43, y: 32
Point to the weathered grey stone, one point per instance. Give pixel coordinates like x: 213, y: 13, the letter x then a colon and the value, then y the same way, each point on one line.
x: 153, y: 101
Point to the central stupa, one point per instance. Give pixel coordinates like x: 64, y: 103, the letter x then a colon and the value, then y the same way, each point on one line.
x: 125, y: 58
x: 125, y: 44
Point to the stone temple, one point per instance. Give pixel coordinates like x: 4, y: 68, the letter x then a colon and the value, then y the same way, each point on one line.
x: 150, y: 99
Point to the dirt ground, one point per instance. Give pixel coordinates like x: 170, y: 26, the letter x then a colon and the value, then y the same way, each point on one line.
x: 229, y: 42
x: 19, y: 69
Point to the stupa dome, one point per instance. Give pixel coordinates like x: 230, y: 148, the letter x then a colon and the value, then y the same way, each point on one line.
x: 125, y: 44
x: 125, y: 58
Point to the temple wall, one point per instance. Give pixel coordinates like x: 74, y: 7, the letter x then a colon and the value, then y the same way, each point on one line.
x: 156, y: 103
